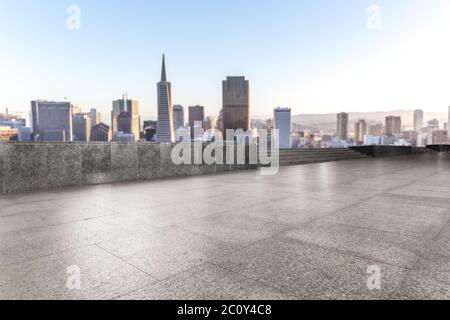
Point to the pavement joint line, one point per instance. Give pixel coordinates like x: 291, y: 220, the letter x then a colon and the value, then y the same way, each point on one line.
x: 125, y: 261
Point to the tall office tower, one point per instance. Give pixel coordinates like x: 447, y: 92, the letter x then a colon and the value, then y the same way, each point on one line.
x: 52, y: 121
x: 433, y: 124
x: 393, y: 125
x: 124, y: 123
x: 448, y: 125
x: 178, y: 116
x: 95, y: 117
x: 196, y: 114
x: 360, y: 130
x: 376, y: 130
x: 342, y: 126
x: 165, y: 132
x: 282, y: 122
x: 418, y: 120
x: 131, y: 107
x: 81, y: 127
x: 236, y: 103
x: 101, y: 132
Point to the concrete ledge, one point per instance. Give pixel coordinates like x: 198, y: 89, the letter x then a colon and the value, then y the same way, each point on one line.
x: 43, y: 166
x: 384, y: 151
x: 439, y: 147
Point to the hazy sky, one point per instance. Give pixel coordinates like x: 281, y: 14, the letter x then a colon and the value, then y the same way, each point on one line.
x: 313, y: 56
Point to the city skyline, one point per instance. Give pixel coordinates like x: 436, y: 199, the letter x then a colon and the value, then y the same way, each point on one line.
x: 307, y: 69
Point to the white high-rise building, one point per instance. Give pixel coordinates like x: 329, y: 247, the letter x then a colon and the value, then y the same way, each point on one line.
x: 282, y: 122
x: 418, y: 120
x: 165, y: 130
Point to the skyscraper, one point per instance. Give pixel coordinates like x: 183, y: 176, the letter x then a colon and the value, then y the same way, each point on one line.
x: 165, y: 130
x: 95, y: 117
x: 236, y: 103
x: 178, y: 116
x: 342, y: 126
x: 282, y: 122
x: 121, y: 108
x: 393, y: 125
x: 101, y: 132
x: 124, y: 123
x: 360, y: 130
x: 81, y: 127
x: 376, y: 130
x: 52, y: 121
x: 418, y: 120
x: 196, y: 115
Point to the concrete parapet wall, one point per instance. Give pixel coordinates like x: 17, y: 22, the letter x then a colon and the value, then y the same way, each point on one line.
x: 43, y: 166
x: 439, y: 147
x: 380, y: 151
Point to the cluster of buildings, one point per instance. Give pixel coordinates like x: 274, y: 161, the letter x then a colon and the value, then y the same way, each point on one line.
x: 63, y: 122
x: 391, y: 132
x: 13, y: 127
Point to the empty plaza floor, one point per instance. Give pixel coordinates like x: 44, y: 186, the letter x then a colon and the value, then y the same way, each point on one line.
x: 311, y: 232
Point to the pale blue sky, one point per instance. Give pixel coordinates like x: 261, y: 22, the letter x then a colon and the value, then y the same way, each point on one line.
x: 314, y: 56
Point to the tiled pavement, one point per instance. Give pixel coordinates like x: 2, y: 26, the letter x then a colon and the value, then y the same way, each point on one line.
x: 310, y: 232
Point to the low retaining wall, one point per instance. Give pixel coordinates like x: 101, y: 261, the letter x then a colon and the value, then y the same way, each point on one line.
x: 439, y: 147
x: 384, y: 151
x: 43, y: 166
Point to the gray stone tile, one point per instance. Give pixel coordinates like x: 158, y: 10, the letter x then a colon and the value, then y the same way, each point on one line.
x: 295, y: 210
x: 141, y: 218
x: 206, y: 282
x: 423, y: 191
x: 102, y: 276
x: 427, y: 201
x: 167, y: 252
x: 124, y: 161
x: 340, y: 193
x: 235, y: 227
x: 20, y: 222
x: 148, y: 155
x: 14, y: 249
x: 403, y: 219
x: 10, y: 208
x: 310, y: 272
x: 64, y: 165
x: 429, y: 279
x: 54, y: 239
x: 26, y: 169
x: 96, y: 163
x: 382, y: 246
